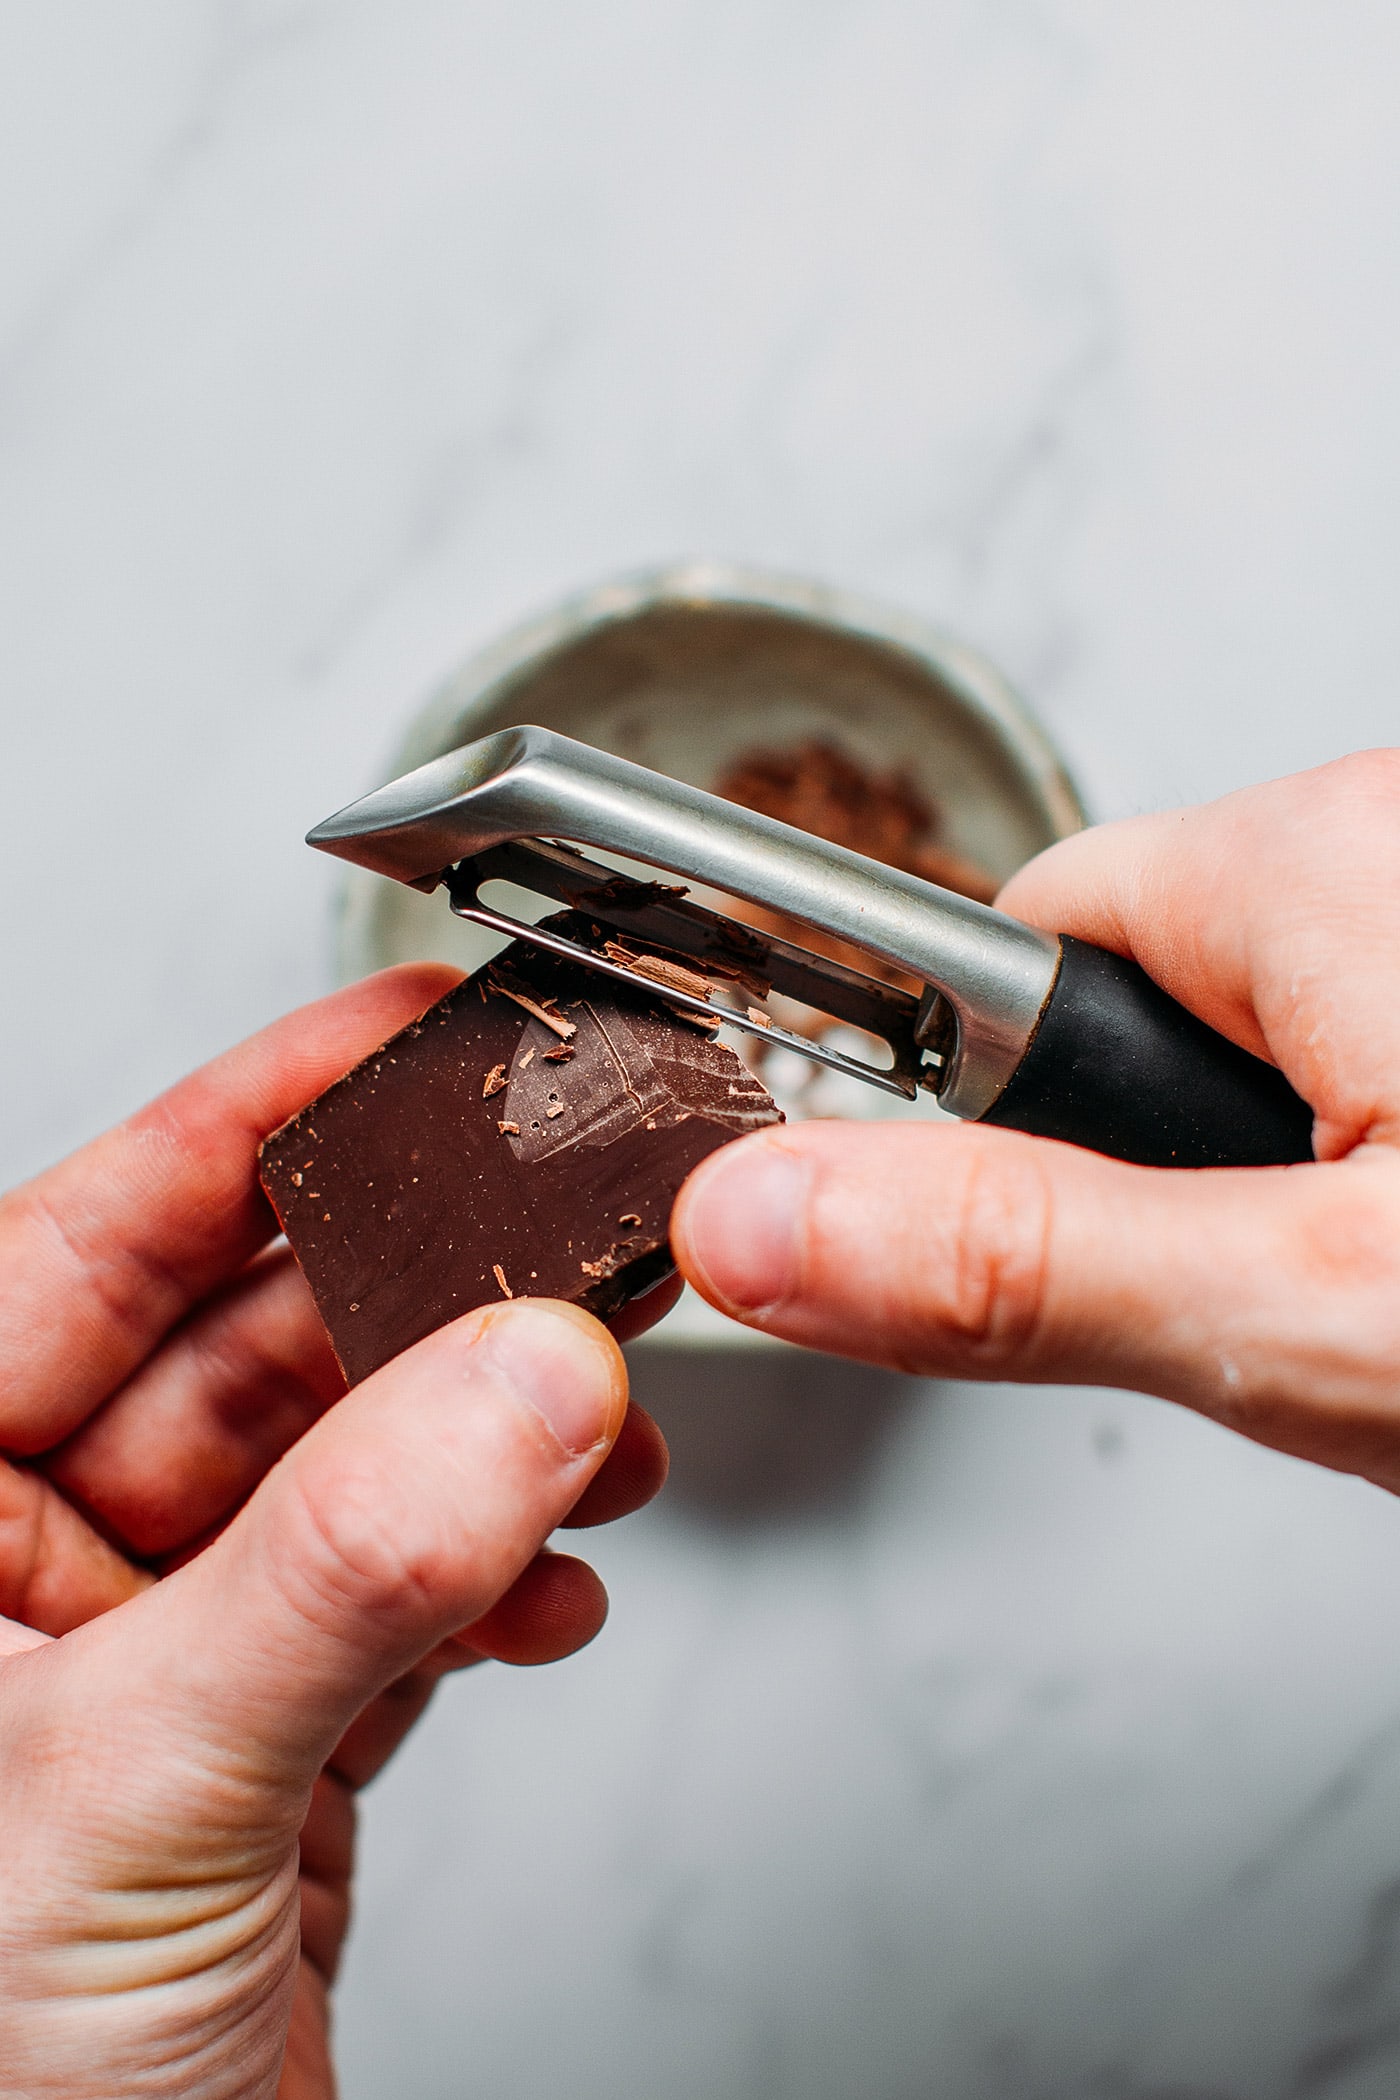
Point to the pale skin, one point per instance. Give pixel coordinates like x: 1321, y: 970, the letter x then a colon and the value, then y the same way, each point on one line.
x: 1267, y: 1298
x: 229, y: 1591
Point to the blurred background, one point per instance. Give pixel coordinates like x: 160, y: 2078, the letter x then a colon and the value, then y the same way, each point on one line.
x: 996, y: 1744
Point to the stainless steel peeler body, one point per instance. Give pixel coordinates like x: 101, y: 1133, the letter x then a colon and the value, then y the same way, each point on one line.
x: 1014, y: 1026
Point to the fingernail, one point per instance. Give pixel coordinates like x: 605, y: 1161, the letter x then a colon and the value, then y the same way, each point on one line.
x: 564, y: 1366
x: 740, y: 1225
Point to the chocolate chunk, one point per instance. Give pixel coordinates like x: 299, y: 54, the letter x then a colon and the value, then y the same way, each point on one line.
x: 431, y: 1198
x: 883, y: 815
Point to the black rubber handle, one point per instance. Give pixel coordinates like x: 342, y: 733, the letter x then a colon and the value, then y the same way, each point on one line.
x: 1118, y: 1066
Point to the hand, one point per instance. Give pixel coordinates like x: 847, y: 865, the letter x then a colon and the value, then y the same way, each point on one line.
x: 179, y: 1756
x: 1268, y: 1298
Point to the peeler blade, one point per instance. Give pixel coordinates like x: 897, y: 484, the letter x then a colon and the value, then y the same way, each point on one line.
x: 994, y: 973
x: 726, y: 958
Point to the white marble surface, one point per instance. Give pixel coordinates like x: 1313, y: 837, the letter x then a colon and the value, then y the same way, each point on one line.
x: 985, y: 1744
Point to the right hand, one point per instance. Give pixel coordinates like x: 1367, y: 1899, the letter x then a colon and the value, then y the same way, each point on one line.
x: 1267, y: 1298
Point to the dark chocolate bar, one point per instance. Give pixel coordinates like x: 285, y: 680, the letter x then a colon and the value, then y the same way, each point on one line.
x: 525, y: 1138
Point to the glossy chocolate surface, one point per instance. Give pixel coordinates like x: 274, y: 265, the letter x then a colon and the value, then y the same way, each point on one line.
x: 491, y: 1150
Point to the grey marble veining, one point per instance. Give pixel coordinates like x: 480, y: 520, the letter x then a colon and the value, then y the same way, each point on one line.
x: 997, y: 1745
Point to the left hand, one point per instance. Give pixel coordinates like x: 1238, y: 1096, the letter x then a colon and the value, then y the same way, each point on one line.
x: 227, y: 1592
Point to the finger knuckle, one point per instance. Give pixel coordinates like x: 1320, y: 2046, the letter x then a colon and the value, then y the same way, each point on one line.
x: 999, y: 1234
x: 1345, y: 814
x: 350, y: 1551
x: 1372, y: 775
x: 23, y: 1508
x: 1316, y: 1370
x: 1348, y: 1237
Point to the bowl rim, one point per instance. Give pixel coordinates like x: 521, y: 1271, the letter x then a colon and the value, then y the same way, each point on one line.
x: 486, y: 678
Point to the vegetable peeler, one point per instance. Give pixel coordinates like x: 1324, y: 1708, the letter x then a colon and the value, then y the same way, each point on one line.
x: 1035, y: 1031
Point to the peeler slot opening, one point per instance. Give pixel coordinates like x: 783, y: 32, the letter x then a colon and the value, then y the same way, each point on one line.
x: 733, y: 965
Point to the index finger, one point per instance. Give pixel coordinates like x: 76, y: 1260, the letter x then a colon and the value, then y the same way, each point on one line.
x: 1274, y: 914
x: 105, y: 1252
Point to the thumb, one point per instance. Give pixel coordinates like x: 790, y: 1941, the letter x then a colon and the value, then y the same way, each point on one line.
x: 403, y: 1515
x: 1265, y: 1297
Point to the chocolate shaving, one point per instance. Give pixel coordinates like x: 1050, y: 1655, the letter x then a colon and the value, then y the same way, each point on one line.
x: 560, y: 1056
x: 759, y: 1017
x: 625, y: 889
x: 509, y: 1129
x: 630, y: 1217
x: 562, y: 1028
x: 493, y: 1082
x: 671, y: 976
x: 500, y: 1275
